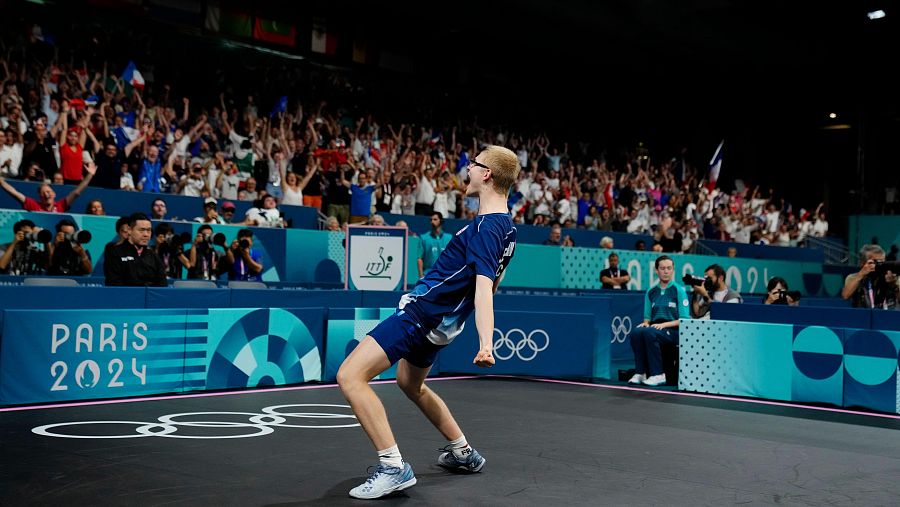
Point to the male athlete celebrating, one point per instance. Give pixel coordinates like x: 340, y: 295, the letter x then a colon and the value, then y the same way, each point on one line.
x: 464, y: 278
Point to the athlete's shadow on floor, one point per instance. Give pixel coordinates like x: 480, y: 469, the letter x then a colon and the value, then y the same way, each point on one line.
x: 338, y: 494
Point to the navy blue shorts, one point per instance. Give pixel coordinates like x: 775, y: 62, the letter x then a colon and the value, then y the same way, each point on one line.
x: 402, y: 337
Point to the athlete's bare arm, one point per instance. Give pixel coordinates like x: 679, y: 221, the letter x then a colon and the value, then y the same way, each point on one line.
x: 484, y: 320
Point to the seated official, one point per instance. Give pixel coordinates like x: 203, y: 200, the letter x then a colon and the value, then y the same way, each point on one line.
x: 713, y: 289
x: 664, y: 306
x: 133, y: 263
x: 613, y: 277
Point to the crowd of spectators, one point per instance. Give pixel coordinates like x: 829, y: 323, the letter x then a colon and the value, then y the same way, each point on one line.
x: 56, y: 117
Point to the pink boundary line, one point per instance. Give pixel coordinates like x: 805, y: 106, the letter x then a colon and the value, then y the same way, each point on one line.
x: 201, y: 395
x: 717, y: 397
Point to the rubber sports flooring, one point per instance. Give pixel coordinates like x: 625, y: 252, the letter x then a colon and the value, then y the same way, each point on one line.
x: 546, y: 443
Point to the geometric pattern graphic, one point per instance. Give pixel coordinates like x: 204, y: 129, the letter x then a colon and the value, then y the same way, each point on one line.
x: 818, y: 354
x: 870, y: 369
x: 741, y: 358
x: 269, y: 346
x: 581, y: 267
x: 844, y: 367
x: 336, y: 250
x: 347, y: 327
x: 818, y: 351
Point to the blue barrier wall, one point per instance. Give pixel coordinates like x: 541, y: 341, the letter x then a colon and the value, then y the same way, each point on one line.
x: 95, y: 352
x: 529, y: 234
x: 46, y: 298
x: 120, y: 203
x: 765, y: 252
x: 166, y: 297
x: 528, y: 343
x: 783, y: 314
x: 78, y: 354
x: 837, y: 365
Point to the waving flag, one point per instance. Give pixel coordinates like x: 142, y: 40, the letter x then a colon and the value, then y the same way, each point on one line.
x: 609, y: 197
x: 275, y: 32
x: 133, y: 77
x: 715, y: 165
x: 280, y: 106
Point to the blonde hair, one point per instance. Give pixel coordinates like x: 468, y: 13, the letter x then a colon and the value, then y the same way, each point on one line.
x: 504, y: 166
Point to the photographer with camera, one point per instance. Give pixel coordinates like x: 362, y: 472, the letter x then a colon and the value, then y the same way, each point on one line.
x: 246, y: 263
x: 132, y: 263
x: 23, y: 256
x: 875, y: 285
x: 709, y: 289
x: 170, y: 248
x: 204, y: 259
x: 67, y: 255
x: 777, y: 293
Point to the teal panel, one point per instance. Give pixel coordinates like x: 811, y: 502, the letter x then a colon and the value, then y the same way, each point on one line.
x: 817, y: 372
x: 581, y: 269
x: 412, y: 261
x: 864, y: 227
x: 736, y: 358
x: 306, y: 249
x: 534, y: 266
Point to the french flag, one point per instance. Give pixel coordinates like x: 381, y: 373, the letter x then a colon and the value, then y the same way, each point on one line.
x: 715, y: 165
x: 609, y: 196
x: 133, y: 77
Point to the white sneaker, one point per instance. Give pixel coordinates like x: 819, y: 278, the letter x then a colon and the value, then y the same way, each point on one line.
x: 637, y: 378
x: 656, y: 380
x: 384, y: 481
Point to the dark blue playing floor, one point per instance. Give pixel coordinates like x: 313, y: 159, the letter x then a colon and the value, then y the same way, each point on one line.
x: 546, y: 444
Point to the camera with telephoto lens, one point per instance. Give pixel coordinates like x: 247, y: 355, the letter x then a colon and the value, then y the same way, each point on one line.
x: 217, y: 239
x: 80, y: 237
x: 178, y: 239
x: 693, y: 281
x: 244, y: 244
x: 39, y: 236
x: 696, y: 281
x: 882, y: 267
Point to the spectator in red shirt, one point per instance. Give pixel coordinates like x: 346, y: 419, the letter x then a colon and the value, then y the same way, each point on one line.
x: 71, y: 155
x: 47, y: 196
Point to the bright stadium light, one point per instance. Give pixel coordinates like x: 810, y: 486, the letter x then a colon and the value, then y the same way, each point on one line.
x: 832, y: 115
x: 876, y: 14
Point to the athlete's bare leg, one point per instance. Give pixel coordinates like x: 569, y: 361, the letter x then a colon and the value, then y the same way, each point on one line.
x: 366, y: 362
x: 411, y: 379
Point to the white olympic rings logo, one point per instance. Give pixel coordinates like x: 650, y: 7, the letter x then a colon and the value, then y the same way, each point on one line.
x: 515, y: 348
x: 621, y: 326
x: 262, y: 424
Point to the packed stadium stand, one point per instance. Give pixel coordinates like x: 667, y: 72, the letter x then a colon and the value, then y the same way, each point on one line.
x: 289, y: 201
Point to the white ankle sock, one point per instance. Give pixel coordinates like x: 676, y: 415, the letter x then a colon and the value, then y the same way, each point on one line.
x: 460, y: 447
x: 391, y: 457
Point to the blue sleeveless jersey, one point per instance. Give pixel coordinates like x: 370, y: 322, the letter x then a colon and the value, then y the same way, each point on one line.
x: 443, y: 300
